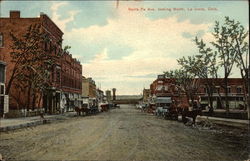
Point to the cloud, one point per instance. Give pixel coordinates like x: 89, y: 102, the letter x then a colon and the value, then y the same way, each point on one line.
x: 156, y: 44
x: 101, y: 57
x: 61, y: 23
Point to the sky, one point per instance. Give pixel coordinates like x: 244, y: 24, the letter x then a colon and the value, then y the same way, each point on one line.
x: 127, y: 46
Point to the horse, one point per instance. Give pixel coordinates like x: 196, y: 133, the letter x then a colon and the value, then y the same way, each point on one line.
x: 193, y: 114
x: 78, y: 110
x: 83, y: 110
x: 104, y: 107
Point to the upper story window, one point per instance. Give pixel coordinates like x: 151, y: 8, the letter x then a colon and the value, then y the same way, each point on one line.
x: 2, y: 89
x: 1, y: 40
x: 159, y: 87
x: 161, y: 76
x: 205, y: 90
x: 45, y: 46
x: 239, y: 90
x: 218, y: 89
x: 58, y: 75
x: 2, y: 73
x: 228, y: 89
x: 160, y: 82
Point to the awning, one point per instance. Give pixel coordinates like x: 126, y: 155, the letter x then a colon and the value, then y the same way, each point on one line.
x: 163, y: 100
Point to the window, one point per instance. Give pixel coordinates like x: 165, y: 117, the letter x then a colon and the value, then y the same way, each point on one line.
x: 2, y: 73
x: 55, y: 49
x: 50, y: 46
x: 58, y: 75
x: 161, y: 76
x: 218, y: 89
x: 2, y: 89
x: 45, y: 46
x: 239, y: 90
x: 1, y: 40
x: 159, y: 87
x: 228, y: 90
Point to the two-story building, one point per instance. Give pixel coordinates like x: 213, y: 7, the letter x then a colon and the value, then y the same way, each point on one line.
x: 166, y: 87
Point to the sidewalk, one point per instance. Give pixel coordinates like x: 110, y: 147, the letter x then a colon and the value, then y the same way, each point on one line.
x: 225, y: 121
x: 233, y: 114
x: 17, y: 123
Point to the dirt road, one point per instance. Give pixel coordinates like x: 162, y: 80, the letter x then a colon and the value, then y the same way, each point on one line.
x: 120, y: 134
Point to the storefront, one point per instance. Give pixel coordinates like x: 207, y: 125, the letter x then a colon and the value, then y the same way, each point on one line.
x: 4, y: 103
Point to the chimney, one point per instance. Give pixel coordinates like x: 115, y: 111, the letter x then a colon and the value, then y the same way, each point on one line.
x: 14, y: 14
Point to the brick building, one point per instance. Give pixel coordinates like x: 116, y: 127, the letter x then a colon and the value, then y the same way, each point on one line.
x: 89, y: 90
x: 166, y: 87
x: 65, y: 66
x: 71, y: 84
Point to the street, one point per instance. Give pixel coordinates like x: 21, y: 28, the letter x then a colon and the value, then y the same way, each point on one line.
x: 120, y: 134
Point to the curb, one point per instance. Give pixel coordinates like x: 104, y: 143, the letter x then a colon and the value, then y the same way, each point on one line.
x: 29, y: 124
x: 34, y: 123
x: 225, y: 122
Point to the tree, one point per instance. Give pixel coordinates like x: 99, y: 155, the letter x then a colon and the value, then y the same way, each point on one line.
x: 32, y: 65
x: 185, y: 82
x: 230, y: 46
x: 241, y: 47
x: 208, y: 69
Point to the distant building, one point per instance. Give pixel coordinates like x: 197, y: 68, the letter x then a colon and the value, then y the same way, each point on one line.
x: 146, y: 94
x: 89, y: 90
x: 108, y: 96
x: 167, y: 87
x: 100, y: 96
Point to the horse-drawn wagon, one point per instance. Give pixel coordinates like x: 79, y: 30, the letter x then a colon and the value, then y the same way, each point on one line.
x: 165, y: 108
x: 170, y: 107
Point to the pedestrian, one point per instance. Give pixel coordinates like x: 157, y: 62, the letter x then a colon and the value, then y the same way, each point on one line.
x: 195, y: 106
x: 62, y: 105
